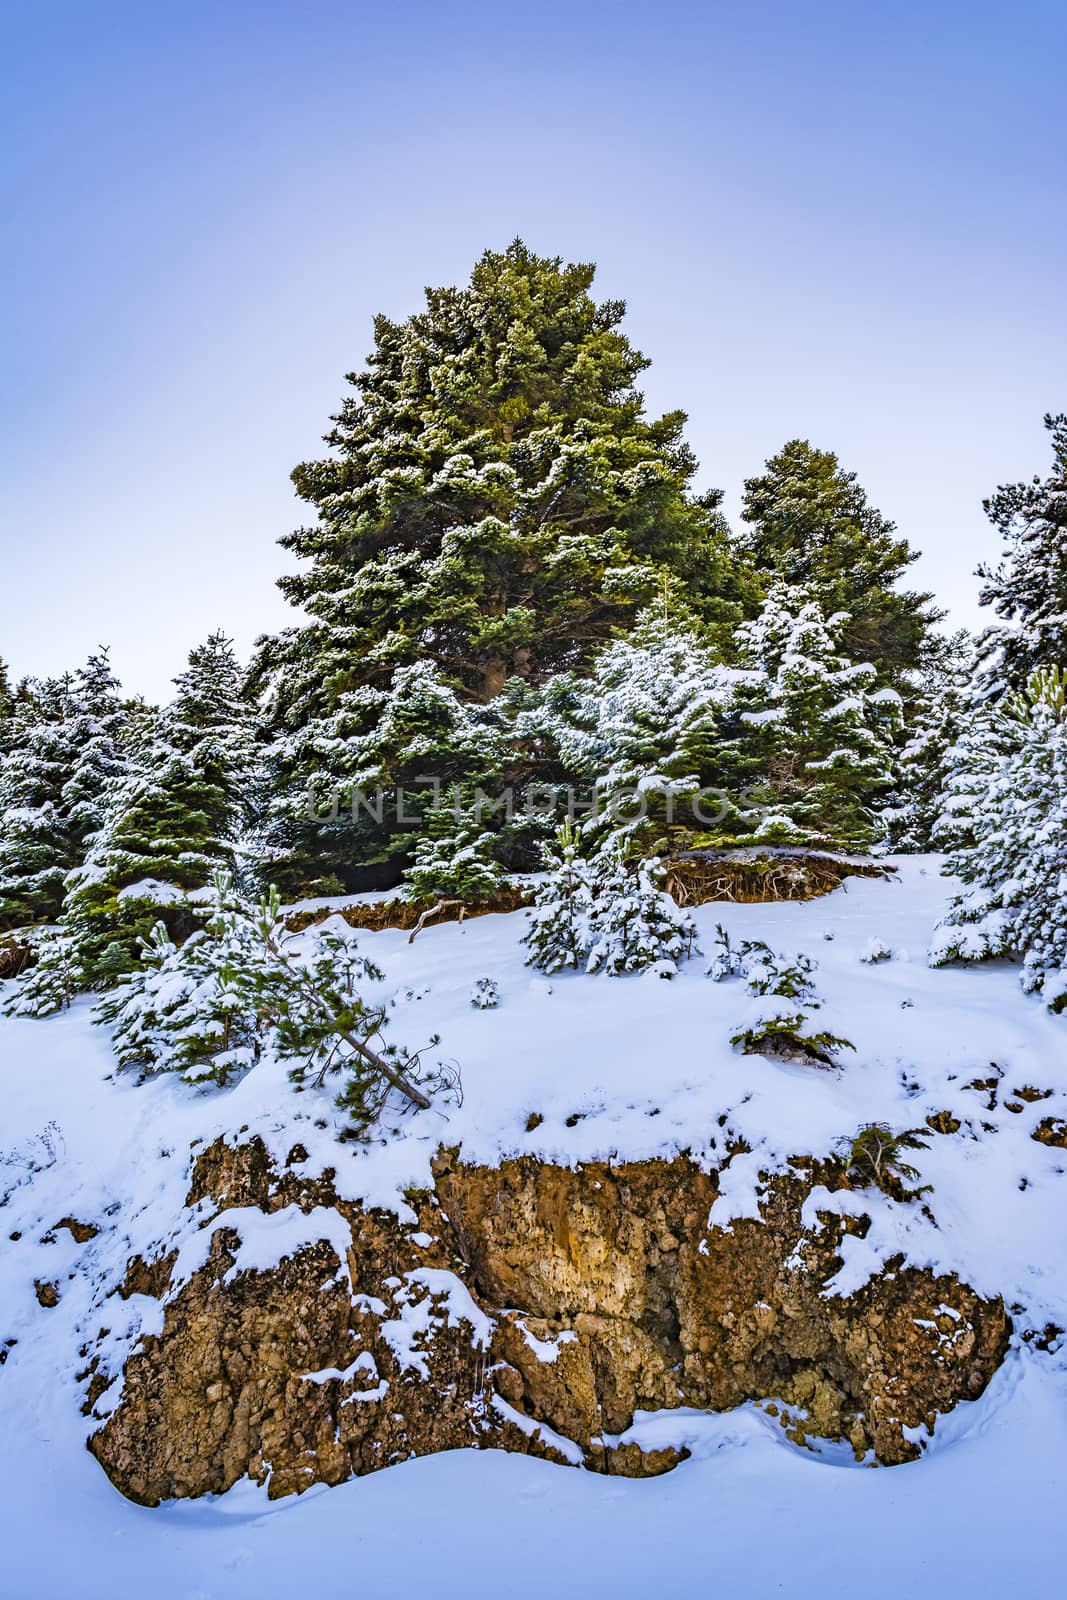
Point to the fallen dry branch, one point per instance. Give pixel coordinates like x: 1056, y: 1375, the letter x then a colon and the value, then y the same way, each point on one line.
x: 436, y: 911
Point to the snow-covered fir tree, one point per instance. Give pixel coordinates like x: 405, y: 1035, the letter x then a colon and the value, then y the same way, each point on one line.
x: 497, y: 506
x: 559, y: 934
x: 809, y: 524
x: 815, y: 722
x: 179, y: 815
x: 642, y: 734
x: 1028, y: 588
x: 454, y: 857
x: 66, y: 753
x: 243, y: 986
x: 1014, y: 862
x: 7, y: 704
x: 357, y: 786
x: 605, y: 913
x: 636, y: 926
x: 938, y: 718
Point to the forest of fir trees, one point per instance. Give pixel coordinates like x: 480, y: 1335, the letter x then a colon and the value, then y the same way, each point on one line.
x: 512, y: 594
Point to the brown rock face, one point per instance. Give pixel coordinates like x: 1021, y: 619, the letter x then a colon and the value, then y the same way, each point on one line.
x: 528, y: 1302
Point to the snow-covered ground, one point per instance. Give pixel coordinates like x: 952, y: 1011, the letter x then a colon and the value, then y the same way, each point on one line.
x: 647, y: 1068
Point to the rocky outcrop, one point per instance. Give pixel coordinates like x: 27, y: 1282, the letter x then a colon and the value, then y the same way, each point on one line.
x: 528, y: 1307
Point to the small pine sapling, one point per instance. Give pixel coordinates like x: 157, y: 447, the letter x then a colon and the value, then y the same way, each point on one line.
x: 485, y: 996
x: 784, y: 990
x: 786, y: 1037
x: 764, y: 971
x: 636, y: 925
x: 874, y: 951
x: 51, y: 984
x: 455, y: 860
x: 558, y: 936
x: 244, y: 985
x: 874, y: 1156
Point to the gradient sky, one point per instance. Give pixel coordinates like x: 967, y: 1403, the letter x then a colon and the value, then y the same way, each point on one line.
x: 844, y: 222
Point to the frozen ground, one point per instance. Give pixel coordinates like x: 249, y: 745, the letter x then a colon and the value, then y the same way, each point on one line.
x: 648, y: 1066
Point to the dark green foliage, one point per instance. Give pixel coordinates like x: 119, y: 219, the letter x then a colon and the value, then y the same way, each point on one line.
x: 939, y: 715
x: 173, y: 822
x: 788, y: 1037
x: 66, y: 752
x: 810, y: 524
x: 243, y: 984
x: 1028, y: 590
x: 874, y: 1157
x: 496, y: 508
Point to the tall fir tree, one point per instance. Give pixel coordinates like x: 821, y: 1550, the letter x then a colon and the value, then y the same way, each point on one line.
x: 497, y: 505
x: 7, y: 704
x: 939, y: 718
x: 809, y: 523
x: 66, y: 753
x: 1028, y: 589
x: 815, y: 722
x: 1012, y: 858
x: 178, y: 817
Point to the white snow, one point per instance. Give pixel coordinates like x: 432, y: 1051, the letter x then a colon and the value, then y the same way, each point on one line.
x: 617, y: 1068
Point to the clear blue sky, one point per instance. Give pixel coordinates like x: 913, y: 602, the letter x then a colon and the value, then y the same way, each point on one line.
x: 840, y: 221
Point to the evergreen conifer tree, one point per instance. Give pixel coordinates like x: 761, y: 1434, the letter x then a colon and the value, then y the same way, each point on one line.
x: 7, y: 704
x: 176, y: 819
x: 636, y: 926
x: 938, y: 719
x: 817, y: 725
x: 1028, y: 590
x: 359, y: 786
x: 1014, y: 862
x: 643, y: 732
x: 66, y: 753
x: 559, y: 934
x: 810, y: 524
x: 497, y: 506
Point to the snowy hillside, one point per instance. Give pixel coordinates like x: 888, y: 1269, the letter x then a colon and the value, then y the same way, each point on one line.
x: 571, y: 1069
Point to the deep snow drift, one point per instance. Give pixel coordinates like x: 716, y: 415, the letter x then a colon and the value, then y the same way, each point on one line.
x: 637, y: 1067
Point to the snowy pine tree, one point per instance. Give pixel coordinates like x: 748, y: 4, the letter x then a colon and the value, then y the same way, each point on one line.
x: 559, y: 933
x: 454, y: 857
x: 810, y: 525
x: 356, y: 787
x: 938, y: 717
x: 7, y: 705
x: 1015, y: 860
x: 244, y: 986
x: 51, y: 984
x: 635, y: 926
x: 177, y: 817
x: 643, y: 732
x: 498, y: 506
x: 1028, y: 590
x: 66, y: 753
x: 815, y: 723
